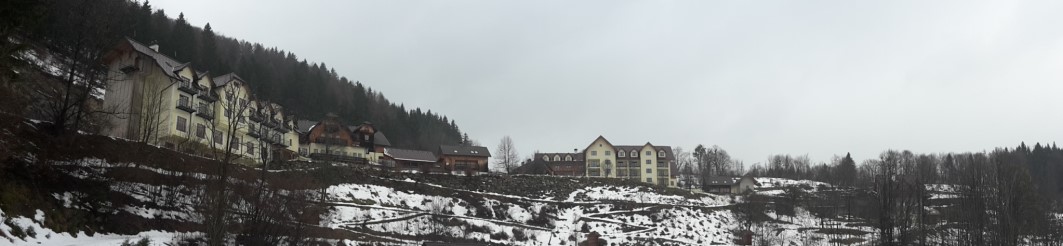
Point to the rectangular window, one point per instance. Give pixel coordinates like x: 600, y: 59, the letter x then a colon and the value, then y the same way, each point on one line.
x: 594, y: 173
x: 184, y: 101
x: 243, y: 102
x: 621, y: 153
x: 593, y: 163
x: 201, y: 131
x: 218, y: 136
x: 649, y: 153
x: 594, y: 153
x: 303, y: 151
x: 182, y: 124
x: 250, y: 148
x: 621, y: 163
x: 649, y: 170
x: 648, y: 162
x: 649, y: 180
x: 608, y: 153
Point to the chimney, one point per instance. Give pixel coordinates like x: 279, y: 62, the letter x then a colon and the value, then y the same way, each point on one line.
x: 575, y: 150
x: 154, y: 46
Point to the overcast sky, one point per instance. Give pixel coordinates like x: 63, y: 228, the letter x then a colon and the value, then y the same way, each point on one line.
x: 755, y: 77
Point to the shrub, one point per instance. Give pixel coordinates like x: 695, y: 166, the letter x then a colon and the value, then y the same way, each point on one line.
x: 31, y: 232
x: 142, y: 242
x: 16, y: 231
x: 518, y: 234
x: 500, y: 236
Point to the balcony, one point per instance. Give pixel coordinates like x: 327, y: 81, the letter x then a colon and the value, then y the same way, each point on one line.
x: 187, y: 86
x: 256, y: 117
x: 185, y: 104
x: 269, y: 122
x: 662, y: 172
x: 283, y: 128
x: 205, y: 111
x: 206, y: 95
x: 252, y: 130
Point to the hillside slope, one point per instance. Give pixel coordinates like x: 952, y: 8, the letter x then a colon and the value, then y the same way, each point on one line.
x: 103, y: 191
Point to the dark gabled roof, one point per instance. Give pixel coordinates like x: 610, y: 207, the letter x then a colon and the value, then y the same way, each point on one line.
x: 169, y: 65
x: 410, y: 155
x: 305, y: 125
x: 628, y: 148
x: 462, y: 150
x: 380, y: 140
x: 575, y: 156
x: 225, y: 79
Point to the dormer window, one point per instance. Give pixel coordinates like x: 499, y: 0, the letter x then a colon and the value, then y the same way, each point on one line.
x: 568, y: 158
x: 660, y: 153
x: 557, y: 158
x: 634, y: 154
x: 620, y: 153
x: 546, y: 158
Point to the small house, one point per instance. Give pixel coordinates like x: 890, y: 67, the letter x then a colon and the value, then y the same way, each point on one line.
x: 730, y: 185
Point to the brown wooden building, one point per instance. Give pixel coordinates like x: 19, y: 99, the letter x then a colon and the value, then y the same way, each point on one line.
x: 408, y: 160
x: 460, y: 159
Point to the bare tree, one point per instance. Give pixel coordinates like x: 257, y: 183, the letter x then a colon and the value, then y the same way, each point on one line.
x: 508, y: 157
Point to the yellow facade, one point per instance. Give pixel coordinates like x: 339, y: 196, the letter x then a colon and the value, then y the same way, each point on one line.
x: 601, y: 160
x: 171, y: 105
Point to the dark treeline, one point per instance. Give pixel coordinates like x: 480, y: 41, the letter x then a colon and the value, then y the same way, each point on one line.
x: 1010, y: 196
x: 308, y: 90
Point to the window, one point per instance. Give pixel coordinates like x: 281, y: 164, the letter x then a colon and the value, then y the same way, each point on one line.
x: 243, y: 102
x: 593, y: 163
x: 608, y: 163
x: 660, y: 153
x: 649, y: 170
x: 228, y: 113
x: 634, y: 154
x: 621, y: 153
x: 608, y: 153
x: 218, y: 136
x: 649, y: 180
x: 182, y: 124
x: 557, y: 158
x: 201, y: 131
x: 594, y: 153
x: 303, y: 151
x: 250, y: 148
x: 648, y: 162
x: 649, y: 153
x: 546, y: 158
x: 621, y: 163
x: 184, y: 101
x: 593, y: 172
x: 568, y: 158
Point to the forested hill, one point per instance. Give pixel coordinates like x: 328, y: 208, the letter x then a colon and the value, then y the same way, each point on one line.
x: 307, y: 89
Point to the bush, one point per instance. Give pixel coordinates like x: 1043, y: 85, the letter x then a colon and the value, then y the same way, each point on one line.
x: 499, y: 236
x: 142, y: 242
x: 518, y: 234
x: 31, y: 232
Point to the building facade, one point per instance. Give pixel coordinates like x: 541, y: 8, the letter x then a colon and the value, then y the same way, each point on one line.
x: 167, y: 103
x: 331, y: 140
x: 460, y: 159
x: 647, y: 163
